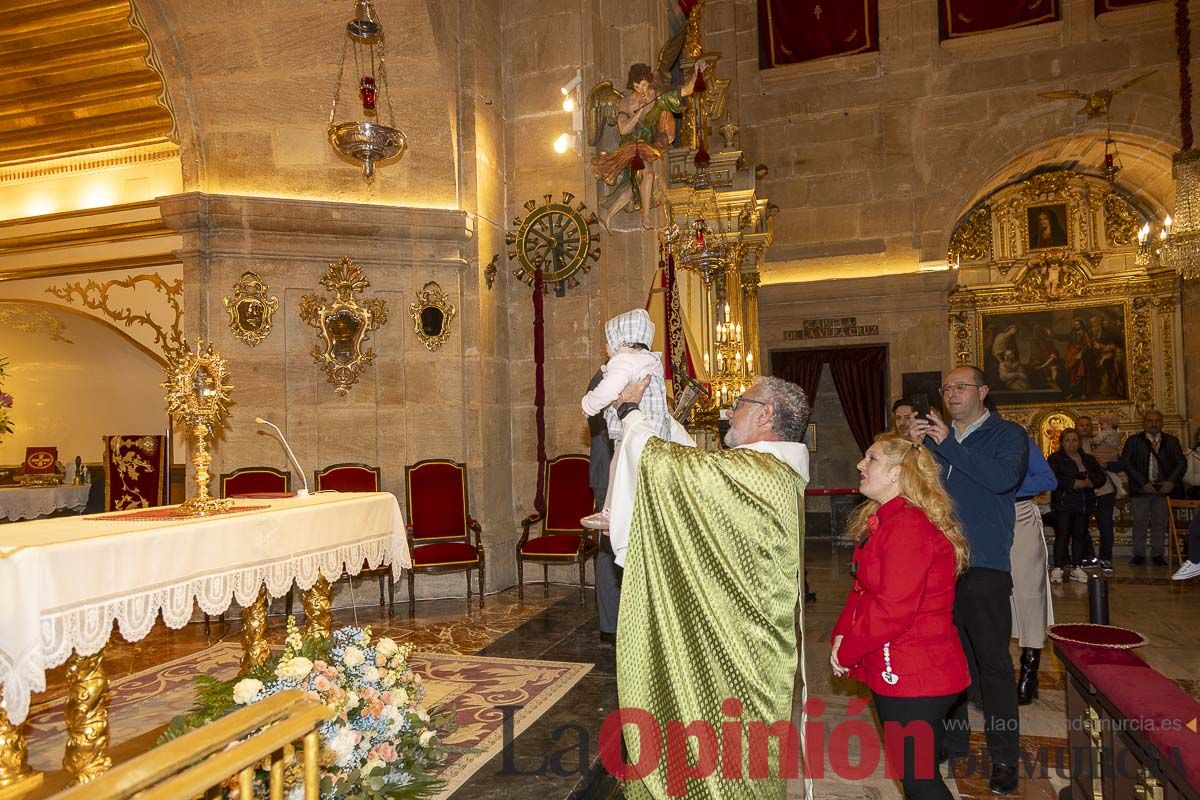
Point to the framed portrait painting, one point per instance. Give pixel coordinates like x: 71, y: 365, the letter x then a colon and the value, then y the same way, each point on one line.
x: 1071, y: 354
x: 1047, y: 226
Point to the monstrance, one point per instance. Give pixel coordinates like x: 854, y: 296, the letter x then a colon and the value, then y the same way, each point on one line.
x: 197, y: 396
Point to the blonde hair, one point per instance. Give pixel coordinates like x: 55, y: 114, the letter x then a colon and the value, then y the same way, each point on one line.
x: 920, y: 483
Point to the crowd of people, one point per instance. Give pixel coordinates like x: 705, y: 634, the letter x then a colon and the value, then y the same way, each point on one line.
x: 950, y: 559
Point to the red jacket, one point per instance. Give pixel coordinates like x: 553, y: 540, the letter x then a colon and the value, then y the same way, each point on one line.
x: 903, y: 595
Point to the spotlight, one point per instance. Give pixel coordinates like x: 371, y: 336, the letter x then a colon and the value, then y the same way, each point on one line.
x: 562, y: 143
x: 569, y: 103
x: 571, y: 84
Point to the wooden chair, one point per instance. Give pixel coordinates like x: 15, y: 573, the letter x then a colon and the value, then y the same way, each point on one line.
x: 563, y: 540
x: 255, y: 480
x: 1180, y: 514
x: 249, y: 481
x: 357, y: 478
x: 440, y: 524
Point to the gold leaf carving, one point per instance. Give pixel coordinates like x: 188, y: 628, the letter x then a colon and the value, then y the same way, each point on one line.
x: 972, y: 239
x: 1120, y: 220
x: 1050, y: 277
x: 20, y: 317
x: 343, y: 323
x: 96, y: 296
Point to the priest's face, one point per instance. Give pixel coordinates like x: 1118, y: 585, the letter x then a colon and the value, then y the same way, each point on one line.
x: 750, y: 420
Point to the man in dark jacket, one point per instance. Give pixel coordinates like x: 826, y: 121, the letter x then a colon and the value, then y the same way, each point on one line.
x: 984, y: 459
x: 1154, y: 464
x: 608, y: 574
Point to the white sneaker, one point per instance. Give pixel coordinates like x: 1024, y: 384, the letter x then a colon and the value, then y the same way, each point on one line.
x: 1079, y: 576
x: 1056, y: 575
x: 595, y: 522
x: 1188, y: 570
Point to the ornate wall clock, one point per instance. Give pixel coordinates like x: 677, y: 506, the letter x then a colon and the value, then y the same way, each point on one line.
x: 558, y: 238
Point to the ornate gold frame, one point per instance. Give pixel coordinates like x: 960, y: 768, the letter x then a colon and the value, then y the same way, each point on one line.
x: 431, y: 296
x: 250, y: 293
x: 343, y: 324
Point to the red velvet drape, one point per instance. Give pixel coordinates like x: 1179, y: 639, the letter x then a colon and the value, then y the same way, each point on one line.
x: 859, y: 374
x: 791, y: 31
x: 966, y: 17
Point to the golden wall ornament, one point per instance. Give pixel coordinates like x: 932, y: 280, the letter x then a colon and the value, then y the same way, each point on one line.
x: 1050, y: 277
x: 1121, y: 221
x: 343, y: 323
x: 972, y: 238
x: 250, y: 309
x: 198, y: 397
x: 431, y: 316
x: 168, y: 335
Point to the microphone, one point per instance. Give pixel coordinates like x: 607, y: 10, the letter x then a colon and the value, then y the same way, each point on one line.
x: 304, y: 477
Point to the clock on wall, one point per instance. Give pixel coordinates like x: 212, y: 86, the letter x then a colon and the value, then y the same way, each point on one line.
x: 556, y: 237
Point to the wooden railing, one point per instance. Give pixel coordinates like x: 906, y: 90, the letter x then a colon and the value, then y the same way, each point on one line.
x: 198, y: 763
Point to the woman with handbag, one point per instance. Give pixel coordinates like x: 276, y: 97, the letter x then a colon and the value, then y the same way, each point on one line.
x: 896, y: 632
x: 1079, y: 475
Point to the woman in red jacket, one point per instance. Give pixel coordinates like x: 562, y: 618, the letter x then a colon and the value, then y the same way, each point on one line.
x: 896, y: 633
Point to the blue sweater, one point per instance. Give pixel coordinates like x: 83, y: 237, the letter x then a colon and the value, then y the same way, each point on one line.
x: 1038, y: 475
x: 981, y: 475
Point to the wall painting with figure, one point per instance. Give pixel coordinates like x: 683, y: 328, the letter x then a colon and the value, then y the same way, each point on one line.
x: 1057, y: 355
x: 1047, y: 226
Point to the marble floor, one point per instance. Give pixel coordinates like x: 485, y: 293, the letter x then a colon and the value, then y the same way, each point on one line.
x: 557, y: 756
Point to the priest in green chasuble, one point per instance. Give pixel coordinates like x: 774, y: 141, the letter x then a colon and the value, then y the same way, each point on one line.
x: 712, y: 548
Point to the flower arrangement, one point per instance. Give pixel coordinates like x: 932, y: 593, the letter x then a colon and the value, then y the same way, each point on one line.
x: 6, y: 401
x: 382, y: 743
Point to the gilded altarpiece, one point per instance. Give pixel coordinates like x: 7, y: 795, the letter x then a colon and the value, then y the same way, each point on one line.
x: 1052, y: 307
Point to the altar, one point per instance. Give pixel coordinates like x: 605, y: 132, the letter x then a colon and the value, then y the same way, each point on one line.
x: 30, y: 502
x: 63, y: 582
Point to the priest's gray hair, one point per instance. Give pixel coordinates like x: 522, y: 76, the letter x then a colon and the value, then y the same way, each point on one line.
x: 790, y: 406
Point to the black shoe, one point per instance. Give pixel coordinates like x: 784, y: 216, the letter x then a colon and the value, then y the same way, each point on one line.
x: 1159, y: 561
x: 1106, y: 567
x: 1137, y: 561
x: 608, y: 638
x: 1004, y: 779
x: 1027, y: 683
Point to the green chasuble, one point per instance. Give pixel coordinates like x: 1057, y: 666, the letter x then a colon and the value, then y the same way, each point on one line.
x: 708, y: 601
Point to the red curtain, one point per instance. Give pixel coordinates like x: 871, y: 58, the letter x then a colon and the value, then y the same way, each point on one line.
x: 967, y: 17
x: 859, y: 375
x: 1113, y: 5
x: 791, y: 31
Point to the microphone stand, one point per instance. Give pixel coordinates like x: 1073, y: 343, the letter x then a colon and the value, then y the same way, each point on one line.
x: 303, y: 476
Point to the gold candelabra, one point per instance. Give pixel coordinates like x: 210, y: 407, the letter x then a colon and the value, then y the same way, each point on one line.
x: 198, y: 397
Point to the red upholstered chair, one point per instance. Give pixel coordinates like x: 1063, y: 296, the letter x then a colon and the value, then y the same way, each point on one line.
x: 440, y: 524
x: 358, y: 478
x: 563, y: 540
x: 255, y: 480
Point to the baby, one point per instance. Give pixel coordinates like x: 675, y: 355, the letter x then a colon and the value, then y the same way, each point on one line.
x: 1106, y: 447
x: 629, y: 337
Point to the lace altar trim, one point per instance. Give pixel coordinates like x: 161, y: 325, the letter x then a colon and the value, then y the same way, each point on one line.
x: 87, y: 629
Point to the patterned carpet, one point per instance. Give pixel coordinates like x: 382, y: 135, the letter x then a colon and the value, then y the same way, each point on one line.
x: 475, y: 686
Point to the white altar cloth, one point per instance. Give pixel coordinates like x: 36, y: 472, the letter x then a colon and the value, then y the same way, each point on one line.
x: 31, y: 502
x: 64, y: 581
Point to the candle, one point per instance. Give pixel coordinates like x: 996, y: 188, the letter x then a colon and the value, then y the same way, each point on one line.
x: 706, y: 362
x: 750, y: 361
x: 726, y: 311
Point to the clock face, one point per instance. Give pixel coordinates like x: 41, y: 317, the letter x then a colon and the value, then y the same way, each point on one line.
x: 555, y: 237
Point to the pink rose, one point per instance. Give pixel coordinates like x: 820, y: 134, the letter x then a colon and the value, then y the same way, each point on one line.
x: 380, y: 660
x: 320, y: 666
x: 322, y: 684
x: 386, y: 751
x: 386, y: 697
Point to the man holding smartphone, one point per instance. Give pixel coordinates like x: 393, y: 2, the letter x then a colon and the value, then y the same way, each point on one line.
x: 984, y: 459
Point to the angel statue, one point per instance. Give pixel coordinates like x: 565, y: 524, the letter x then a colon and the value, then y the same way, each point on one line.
x: 645, y: 120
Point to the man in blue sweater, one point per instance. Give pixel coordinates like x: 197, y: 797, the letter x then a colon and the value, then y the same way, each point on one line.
x: 984, y: 460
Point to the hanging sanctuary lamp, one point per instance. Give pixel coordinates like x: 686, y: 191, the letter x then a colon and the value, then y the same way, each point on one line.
x: 365, y: 139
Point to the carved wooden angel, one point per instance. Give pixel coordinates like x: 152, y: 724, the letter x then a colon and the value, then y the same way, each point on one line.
x: 645, y: 121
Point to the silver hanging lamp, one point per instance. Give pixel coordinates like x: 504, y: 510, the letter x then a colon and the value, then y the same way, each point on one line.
x: 366, y: 140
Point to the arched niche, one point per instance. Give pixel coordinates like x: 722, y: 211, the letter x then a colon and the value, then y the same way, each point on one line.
x: 74, y: 378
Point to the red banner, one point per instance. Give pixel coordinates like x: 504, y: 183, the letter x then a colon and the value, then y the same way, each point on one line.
x: 957, y: 18
x: 791, y: 31
x: 1114, y: 5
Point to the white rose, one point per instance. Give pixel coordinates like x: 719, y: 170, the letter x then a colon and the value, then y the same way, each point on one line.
x: 392, y: 716
x: 386, y: 647
x: 294, y: 668
x: 389, y: 680
x: 371, y: 764
x: 371, y: 673
x: 342, y: 746
x: 423, y: 714
x: 246, y: 691
x: 399, y: 696
x: 427, y: 738
x: 351, y: 701
x: 352, y: 657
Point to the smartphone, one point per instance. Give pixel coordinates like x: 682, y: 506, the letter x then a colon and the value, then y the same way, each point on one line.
x: 920, y: 404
